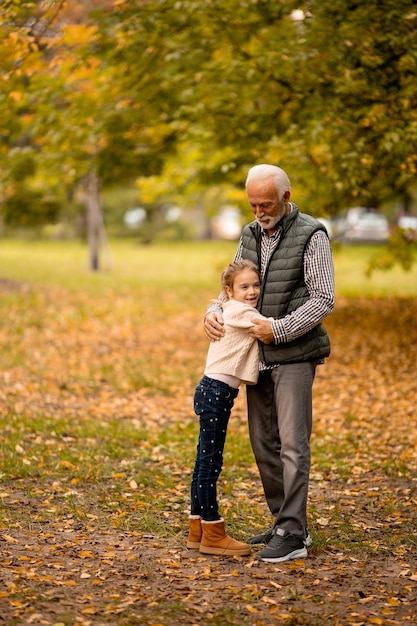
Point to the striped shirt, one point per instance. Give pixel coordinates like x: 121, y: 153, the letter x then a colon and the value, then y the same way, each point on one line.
x: 319, y: 280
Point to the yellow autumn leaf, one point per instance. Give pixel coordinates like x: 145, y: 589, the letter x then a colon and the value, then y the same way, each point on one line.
x: 9, y: 539
x: 89, y: 610
x: 16, y: 96
x: 268, y: 600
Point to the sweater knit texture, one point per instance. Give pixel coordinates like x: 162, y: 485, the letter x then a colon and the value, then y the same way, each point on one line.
x: 236, y: 353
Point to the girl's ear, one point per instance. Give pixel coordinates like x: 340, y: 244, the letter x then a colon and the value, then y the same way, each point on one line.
x: 228, y: 291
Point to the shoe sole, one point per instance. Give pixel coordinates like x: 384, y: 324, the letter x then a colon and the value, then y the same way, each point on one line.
x: 193, y: 545
x: 296, y: 554
x: 224, y: 552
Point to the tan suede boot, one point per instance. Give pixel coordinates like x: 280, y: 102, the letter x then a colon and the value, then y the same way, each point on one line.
x: 194, y: 536
x: 215, y: 541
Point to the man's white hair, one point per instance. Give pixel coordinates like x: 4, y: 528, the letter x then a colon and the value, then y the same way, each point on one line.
x: 264, y: 171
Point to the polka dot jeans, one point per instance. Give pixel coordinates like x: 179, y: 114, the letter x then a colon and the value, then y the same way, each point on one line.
x: 213, y: 402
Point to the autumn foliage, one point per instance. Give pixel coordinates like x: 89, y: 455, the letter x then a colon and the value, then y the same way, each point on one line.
x: 97, y: 445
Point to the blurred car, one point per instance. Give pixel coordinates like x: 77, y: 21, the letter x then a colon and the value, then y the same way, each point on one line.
x: 408, y: 222
x: 134, y: 218
x: 227, y: 223
x: 360, y: 224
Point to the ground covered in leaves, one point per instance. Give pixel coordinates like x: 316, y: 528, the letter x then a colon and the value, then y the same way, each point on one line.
x: 97, y: 443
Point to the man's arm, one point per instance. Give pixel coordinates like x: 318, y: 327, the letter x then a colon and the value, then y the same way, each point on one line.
x: 319, y: 278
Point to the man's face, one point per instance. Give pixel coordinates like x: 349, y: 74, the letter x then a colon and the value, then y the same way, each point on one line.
x: 265, y: 203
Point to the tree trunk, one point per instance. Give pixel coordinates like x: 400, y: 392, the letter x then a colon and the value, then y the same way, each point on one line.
x: 95, y: 225
x: 407, y: 201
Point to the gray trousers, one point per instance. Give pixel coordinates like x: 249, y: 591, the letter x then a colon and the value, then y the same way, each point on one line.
x: 280, y: 422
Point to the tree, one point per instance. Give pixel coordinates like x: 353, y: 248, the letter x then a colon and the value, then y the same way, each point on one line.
x: 365, y: 85
x: 22, y: 27
x: 75, y: 116
x: 328, y: 89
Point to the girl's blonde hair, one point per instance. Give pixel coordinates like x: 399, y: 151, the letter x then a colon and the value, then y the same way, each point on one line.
x: 232, y: 270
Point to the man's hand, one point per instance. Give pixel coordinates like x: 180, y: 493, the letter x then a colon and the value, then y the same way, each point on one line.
x: 214, y: 326
x: 262, y: 330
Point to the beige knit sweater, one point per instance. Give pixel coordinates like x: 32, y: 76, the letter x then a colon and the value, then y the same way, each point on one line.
x: 236, y: 353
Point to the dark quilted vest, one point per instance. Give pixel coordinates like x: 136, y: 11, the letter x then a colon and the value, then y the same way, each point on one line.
x: 283, y: 287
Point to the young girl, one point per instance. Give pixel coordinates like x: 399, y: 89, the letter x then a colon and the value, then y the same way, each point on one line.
x: 230, y: 361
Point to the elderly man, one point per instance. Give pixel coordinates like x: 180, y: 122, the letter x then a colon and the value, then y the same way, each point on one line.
x: 294, y: 255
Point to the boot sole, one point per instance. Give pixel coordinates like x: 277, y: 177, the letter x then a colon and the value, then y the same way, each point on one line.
x: 224, y: 551
x: 193, y: 545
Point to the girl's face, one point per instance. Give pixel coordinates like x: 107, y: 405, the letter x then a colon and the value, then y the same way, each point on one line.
x: 246, y: 287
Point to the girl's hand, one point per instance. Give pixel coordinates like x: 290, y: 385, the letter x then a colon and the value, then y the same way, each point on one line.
x: 214, y: 326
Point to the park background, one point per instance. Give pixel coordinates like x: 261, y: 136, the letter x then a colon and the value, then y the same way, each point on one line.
x: 107, y: 107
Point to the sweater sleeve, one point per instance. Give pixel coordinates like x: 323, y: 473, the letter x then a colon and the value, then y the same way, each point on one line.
x: 241, y: 315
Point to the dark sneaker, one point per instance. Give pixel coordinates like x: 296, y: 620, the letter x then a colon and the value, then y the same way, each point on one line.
x: 283, y: 547
x: 266, y: 537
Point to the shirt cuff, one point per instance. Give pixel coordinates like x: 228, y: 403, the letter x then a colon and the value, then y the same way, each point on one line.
x: 214, y: 308
x: 279, y: 334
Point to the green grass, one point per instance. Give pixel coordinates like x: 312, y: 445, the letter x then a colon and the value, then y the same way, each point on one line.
x: 161, y: 267
x: 176, y: 266
x: 351, y: 264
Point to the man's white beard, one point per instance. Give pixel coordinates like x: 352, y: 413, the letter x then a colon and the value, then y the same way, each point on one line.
x: 268, y: 223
